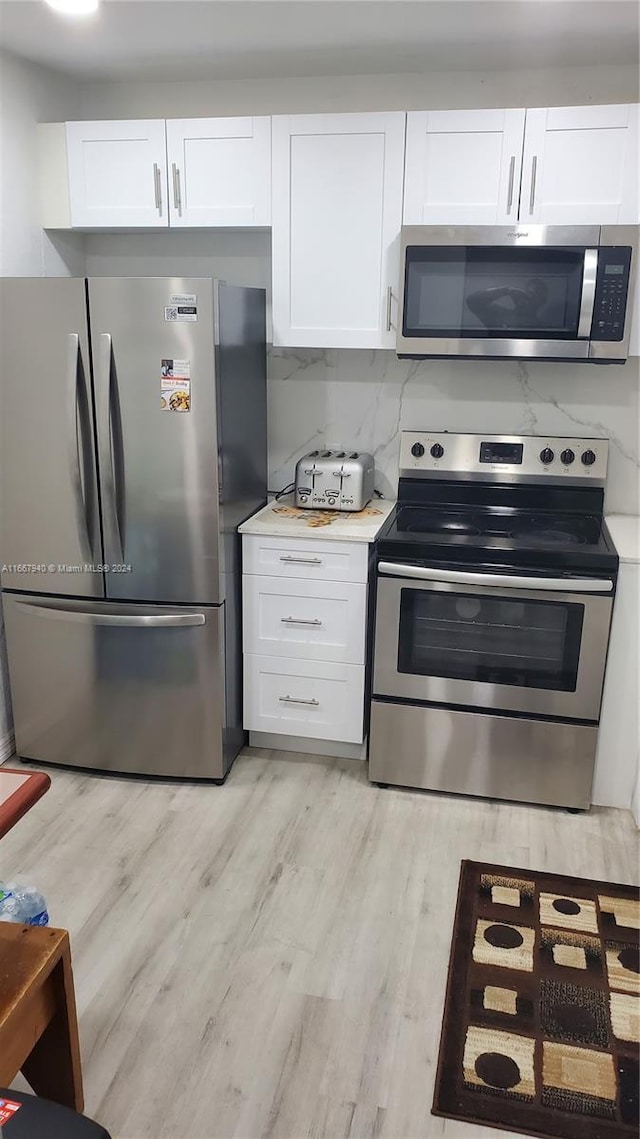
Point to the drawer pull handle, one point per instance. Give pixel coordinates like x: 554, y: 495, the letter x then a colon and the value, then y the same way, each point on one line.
x: 300, y: 621
x: 296, y: 700
x: 302, y: 561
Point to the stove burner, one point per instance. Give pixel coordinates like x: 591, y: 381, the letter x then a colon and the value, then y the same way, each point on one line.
x: 523, y: 528
x: 427, y: 523
x: 564, y: 537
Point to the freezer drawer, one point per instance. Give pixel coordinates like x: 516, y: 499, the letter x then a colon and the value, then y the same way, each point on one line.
x: 117, y: 687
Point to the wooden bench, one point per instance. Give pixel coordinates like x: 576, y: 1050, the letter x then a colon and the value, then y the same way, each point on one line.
x: 38, y: 1023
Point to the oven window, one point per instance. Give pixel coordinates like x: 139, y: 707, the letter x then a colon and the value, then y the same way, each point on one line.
x: 532, y: 644
x: 476, y: 291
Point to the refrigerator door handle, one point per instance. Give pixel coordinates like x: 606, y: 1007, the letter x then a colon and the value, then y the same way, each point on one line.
x: 73, y: 380
x: 112, y: 446
x: 124, y: 620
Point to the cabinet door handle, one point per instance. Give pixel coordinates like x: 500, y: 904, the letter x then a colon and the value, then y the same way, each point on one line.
x: 296, y: 700
x: 301, y: 621
x: 532, y: 192
x: 177, y: 194
x: 389, y: 301
x: 301, y: 561
x: 512, y: 174
x: 157, y: 187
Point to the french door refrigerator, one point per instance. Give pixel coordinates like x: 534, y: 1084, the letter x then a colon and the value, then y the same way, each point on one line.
x: 133, y: 444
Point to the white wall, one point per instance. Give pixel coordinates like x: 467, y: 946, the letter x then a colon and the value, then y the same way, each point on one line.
x: 28, y: 95
x: 437, y: 89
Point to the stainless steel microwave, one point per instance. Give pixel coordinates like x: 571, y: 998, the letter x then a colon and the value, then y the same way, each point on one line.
x: 528, y: 292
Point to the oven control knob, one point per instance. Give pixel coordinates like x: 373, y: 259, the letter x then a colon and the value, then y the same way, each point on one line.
x: 567, y: 457
x: 437, y: 450
x: 546, y: 456
x: 417, y: 450
x: 588, y: 458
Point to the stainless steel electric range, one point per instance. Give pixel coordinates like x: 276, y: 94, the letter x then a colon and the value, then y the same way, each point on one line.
x: 494, y: 590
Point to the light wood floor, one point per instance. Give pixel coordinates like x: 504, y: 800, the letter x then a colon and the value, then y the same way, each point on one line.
x: 268, y: 958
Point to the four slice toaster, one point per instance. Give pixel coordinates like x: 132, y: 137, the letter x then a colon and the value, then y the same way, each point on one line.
x: 335, y: 480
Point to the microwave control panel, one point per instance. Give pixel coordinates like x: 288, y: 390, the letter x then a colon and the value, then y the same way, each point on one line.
x: 612, y: 288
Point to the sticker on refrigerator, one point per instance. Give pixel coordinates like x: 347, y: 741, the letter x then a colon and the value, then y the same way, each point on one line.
x: 175, y: 385
x: 182, y: 306
x: 8, y: 1108
x: 183, y: 299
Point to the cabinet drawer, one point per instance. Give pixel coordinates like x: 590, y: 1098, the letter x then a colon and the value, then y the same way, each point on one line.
x: 304, y: 698
x: 305, y: 558
x: 304, y: 619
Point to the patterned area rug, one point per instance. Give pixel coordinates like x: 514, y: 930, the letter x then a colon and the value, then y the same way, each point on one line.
x: 542, y: 1013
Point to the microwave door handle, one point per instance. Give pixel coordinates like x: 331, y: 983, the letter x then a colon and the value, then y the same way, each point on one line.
x: 499, y: 580
x: 589, y: 276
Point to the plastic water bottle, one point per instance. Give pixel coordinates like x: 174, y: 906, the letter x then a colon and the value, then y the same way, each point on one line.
x: 22, y: 904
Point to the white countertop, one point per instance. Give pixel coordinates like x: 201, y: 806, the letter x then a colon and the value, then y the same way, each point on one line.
x: 625, y: 531
x: 282, y: 519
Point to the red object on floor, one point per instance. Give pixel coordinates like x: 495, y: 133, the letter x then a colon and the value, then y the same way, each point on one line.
x: 19, y: 790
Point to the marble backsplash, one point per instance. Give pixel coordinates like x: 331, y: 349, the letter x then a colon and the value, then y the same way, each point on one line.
x: 364, y: 399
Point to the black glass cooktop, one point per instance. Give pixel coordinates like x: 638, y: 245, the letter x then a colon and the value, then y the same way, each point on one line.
x: 498, y: 535
x: 539, y: 528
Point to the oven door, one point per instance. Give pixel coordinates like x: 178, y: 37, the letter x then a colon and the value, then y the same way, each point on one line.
x: 492, y: 641
x: 481, y: 291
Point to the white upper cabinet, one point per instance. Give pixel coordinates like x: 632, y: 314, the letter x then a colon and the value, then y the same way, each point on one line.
x: 219, y: 171
x: 463, y: 167
x: 117, y: 174
x: 337, y: 212
x: 581, y: 166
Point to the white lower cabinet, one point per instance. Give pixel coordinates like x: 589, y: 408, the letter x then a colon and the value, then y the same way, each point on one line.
x: 300, y: 619
x: 310, y: 559
x: 304, y: 637
x: 318, y: 699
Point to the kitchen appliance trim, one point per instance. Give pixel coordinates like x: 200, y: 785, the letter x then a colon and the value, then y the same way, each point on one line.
x: 585, y: 346
x: 583, y: 703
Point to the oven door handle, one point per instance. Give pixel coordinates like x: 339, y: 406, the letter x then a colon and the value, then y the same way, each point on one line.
x: 502, y: 581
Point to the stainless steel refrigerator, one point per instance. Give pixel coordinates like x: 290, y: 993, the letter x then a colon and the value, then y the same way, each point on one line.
x: 133, y: 444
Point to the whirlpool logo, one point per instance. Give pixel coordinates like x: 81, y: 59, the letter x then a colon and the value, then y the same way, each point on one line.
x: 518, y: 233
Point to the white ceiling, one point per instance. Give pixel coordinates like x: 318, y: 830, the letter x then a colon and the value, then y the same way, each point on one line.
x: 179, y: 39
